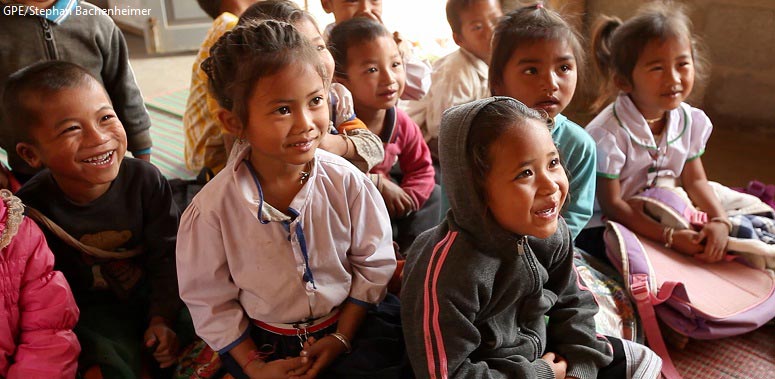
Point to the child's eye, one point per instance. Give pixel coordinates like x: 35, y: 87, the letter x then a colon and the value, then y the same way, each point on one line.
x: 371, y: 70
x: 531, y: 71
x: 656, y: 68
x: 317, y: 100
x: 476, y: 27
x: 69, y: 129
x: 396, y: 64
x: 321, y: 47
x: 283, y: 110
x: 565, y: 68
x: 524, y: 174
x: 107, y: 117
x: 554, y: 162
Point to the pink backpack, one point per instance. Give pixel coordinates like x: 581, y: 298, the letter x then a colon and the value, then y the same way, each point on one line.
x: 696, y: 299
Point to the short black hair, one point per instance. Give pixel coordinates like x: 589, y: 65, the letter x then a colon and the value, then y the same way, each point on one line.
x: 211, y: 7
x: 454, y: 8
x: 352, y: 32
x: 34, y: 81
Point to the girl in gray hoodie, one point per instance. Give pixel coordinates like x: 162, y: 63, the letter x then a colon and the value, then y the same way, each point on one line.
x: 491, y: 292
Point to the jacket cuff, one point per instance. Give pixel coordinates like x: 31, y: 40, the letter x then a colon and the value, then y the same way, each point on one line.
x: 583, y: 370
x: 543, y: 370
x: 139, y: 141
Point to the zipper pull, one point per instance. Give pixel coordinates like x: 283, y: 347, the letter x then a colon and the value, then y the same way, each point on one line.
x: 47, y: 30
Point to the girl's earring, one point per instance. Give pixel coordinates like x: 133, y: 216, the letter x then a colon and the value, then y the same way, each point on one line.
x: 330, y: 125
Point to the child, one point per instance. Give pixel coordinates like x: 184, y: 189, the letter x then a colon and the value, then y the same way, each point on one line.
x: 106, y: 206
x: 285, y: 250
x: 461, y: 76
x: 349, y: 137
x: 648, y: 136
x: 369, y: 65
x: 418, y: 72
x: 536, y: 58
x: 36, y: 337
x: 206, y: 143
x: 478, y: 288
x: 78, y: 32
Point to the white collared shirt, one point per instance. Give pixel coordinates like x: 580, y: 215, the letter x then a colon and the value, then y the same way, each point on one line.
x: 457, y: 78
x: 233, y: 266
x: 626, y: 149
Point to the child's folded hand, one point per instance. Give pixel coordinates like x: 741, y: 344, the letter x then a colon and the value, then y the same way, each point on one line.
x: 684, y: 242
x: 715, y: 236
x: 163, y: 341
x: 398, y: 202
x: 321, y: 353
x: 277, y: 369
x: 557, y: 363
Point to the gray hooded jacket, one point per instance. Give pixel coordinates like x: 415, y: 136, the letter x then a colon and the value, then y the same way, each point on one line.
x: 475, y: 296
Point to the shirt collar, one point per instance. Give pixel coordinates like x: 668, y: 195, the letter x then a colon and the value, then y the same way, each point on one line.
x: 58, y: 12
x: 632, y: 121
x: 479, y: 65
x: 252, y: 195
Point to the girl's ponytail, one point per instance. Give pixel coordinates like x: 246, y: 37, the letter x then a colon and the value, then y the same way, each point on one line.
x: 602, y: 55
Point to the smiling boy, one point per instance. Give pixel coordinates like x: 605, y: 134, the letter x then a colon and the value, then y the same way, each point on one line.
x: 63, y: 120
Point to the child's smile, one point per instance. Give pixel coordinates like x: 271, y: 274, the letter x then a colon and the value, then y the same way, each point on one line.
x: 79, y: 138
x: 527, y: 185
x: 662, y: 78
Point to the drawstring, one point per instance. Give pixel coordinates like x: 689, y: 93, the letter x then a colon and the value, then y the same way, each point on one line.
x: 260, y: 192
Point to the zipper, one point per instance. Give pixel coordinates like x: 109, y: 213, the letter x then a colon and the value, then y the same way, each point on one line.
x: 48, y: 35
x: 530, y: 258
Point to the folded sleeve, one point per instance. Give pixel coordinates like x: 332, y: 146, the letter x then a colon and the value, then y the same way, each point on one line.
x: 371, y: 253
x: 701, y: 130
x: 205, y: 282
x: 610, y: 157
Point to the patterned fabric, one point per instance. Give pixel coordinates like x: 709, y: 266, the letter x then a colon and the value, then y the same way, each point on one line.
x: 616, y: 316
x: 204, y: 136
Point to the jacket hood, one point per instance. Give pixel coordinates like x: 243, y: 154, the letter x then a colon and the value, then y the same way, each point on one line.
x: 468, y: 211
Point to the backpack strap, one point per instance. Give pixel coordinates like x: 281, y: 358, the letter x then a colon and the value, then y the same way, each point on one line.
x: 96, y: 252
x: 636, y: 268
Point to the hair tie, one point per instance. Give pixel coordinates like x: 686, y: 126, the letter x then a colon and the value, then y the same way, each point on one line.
x: 539, y: 5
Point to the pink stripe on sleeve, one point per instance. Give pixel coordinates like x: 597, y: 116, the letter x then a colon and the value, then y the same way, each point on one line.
x: 429, y: 353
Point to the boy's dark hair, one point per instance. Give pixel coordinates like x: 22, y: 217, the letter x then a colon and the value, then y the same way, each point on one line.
x: 454, y: 9
x: 251, y: 51
x: 351, y: 33
x: 617, y: 45
x: 524, y: 26
x: 211, y: 7
x: 279, y: 10
x: 487, y: 126
x: 34, y: 81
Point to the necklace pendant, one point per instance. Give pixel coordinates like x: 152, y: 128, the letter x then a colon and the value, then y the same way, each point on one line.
x: 303, y: 176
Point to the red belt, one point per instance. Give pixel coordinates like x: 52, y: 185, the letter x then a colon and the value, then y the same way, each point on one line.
x: 301, y: 327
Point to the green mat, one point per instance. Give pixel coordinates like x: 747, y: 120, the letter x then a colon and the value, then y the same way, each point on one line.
x: 173, y: 102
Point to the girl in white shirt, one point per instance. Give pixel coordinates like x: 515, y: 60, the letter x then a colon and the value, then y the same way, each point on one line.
x: 284, y: 253
x: 648, y: 136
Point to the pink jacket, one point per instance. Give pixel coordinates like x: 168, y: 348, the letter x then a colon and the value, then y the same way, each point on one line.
x: 37, y: 309
x: 404, y: 144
